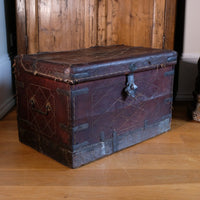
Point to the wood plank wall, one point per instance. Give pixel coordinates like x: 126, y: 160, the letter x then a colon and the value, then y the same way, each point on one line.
x: 58, y: 25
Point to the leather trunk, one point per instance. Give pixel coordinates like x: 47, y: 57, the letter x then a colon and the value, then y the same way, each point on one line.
x: 78, y: 106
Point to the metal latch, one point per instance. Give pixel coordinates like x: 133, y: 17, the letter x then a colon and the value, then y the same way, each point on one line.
x: 130, y: 86
x: 47, y: 107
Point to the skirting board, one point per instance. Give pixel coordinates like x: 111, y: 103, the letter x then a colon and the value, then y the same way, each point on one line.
x: 7, y: 99
x: 7, y: 106
x: 190, y: 57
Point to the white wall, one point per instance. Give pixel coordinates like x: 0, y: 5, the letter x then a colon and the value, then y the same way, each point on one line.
x: 191, y: 48
x: 6, y: 96
x: 191, y: 51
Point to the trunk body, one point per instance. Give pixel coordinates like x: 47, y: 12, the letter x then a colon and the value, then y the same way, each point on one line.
x: 82, y: 105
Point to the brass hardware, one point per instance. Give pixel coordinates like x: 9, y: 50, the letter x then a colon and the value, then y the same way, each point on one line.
x: 47, y: 107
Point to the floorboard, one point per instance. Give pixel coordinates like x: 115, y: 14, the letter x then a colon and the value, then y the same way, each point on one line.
x: 162, y: 168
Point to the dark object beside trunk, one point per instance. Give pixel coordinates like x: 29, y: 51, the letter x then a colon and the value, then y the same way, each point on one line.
x: 196, y: 95
x: 81, y: 105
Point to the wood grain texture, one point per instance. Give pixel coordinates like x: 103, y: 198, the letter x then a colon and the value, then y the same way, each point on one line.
x: 130, y: 22
x: 158, y: 24
x: 67, y: 25
x: 21, y: 26
x: 166, y: 167
x: 112, y: 15
x: 170, y: 18
x: 32, y: 25
x: 141, y: 27
x: 102, y: 22
x: 57, y: 25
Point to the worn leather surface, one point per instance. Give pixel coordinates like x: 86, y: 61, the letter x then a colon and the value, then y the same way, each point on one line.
x: 88, y: 113
x: 95, y: 63
x: 107, y: 108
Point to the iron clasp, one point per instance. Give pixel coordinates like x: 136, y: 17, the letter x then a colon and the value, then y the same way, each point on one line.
x: 130, y: 86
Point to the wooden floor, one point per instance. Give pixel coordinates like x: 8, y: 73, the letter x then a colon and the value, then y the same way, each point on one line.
x: 165, y: 167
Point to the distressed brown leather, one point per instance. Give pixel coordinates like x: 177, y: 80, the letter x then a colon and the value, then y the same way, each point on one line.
x: 73, y: 106
x: 95, y: 63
